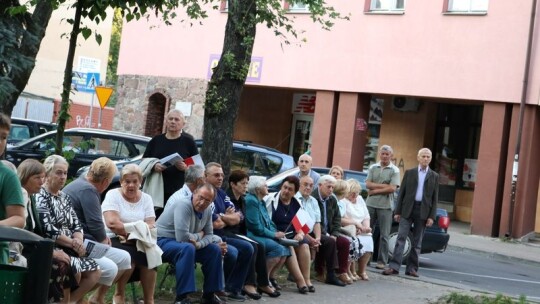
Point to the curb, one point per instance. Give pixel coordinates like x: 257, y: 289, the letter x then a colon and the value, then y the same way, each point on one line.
x: 493, y: 254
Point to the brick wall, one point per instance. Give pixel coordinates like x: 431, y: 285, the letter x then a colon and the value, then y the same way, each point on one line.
x: 80, y: 116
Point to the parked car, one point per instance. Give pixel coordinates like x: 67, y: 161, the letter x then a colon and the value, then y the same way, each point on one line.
x: 435, y: 239
x: 274, y: 182
x: 253, y: 159
x: 22, y: 129
x: 85, y: 144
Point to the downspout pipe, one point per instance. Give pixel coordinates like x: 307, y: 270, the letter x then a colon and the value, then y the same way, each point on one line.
x: 520, y: 121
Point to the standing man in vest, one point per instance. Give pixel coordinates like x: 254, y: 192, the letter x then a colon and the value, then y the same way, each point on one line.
x: 417, y: 208
x: 382, y: 181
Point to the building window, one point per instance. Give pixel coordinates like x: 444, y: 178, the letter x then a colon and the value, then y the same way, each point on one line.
x: 297, y: 7
x: 387, y: 5
x: 467, y: 6
x: 224, y: 7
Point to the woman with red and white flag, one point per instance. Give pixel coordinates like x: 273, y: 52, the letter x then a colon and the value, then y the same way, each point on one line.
x: 282, y: 208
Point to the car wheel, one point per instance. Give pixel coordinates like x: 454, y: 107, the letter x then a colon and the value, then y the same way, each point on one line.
x: 392, y: 239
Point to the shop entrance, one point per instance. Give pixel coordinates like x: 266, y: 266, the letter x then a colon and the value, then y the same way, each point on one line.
x: 300, y: 135
x: 455, y: 155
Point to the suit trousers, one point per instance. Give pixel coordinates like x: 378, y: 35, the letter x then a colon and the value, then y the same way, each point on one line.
x: 184, y: 256
x: 417, y: 235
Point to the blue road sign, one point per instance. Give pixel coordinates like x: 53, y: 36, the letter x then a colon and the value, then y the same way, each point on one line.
x: 85, y: 82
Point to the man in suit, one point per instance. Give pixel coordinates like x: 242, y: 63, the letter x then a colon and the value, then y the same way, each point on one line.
x: 417, y: 207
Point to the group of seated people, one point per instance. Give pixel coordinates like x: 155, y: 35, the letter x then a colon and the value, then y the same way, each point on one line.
x: 72, y: 214
x: 241, y: 236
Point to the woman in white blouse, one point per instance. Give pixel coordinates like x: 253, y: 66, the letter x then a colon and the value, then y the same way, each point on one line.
x: 358, y: 215
x: 128, y: 204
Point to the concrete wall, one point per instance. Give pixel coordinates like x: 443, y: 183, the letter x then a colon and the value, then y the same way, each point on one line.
x: 407, y: 132
x: 265, y: 117
x: 420, y: 53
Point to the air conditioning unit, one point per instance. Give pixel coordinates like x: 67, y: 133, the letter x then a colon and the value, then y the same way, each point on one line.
x: 405, y: 104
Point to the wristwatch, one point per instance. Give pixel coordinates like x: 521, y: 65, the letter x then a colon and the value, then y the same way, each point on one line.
x: 221, y: 214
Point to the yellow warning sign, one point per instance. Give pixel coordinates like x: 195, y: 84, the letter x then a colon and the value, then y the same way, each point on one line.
x: 103, y: 95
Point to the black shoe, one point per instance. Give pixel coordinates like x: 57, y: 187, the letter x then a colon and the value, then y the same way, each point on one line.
x: 275, y: 284
x: 235, y: 296
x: 335, y: 281
x: 303, y: 290
x: 214, y: 299
x: 311, y: 288
x: 254, y: 296
x: 274, y: 294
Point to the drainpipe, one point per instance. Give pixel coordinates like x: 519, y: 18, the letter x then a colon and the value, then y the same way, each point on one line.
x: 520, y: 121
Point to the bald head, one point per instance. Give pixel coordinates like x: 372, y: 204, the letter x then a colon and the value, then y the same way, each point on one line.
x: 304, y: 163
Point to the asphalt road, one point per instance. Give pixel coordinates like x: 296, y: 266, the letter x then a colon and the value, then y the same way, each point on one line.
x: 480, y: 271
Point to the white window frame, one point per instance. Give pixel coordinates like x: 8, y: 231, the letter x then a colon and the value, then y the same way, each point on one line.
x: 391, y: 6
x: 298, y: 7
x: 458, y: 6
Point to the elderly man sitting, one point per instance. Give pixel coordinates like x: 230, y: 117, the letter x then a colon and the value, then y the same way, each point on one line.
x: 186, y: 236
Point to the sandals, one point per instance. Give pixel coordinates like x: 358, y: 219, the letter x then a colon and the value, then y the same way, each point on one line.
x: 303, y: 290
x: 311, y: 288
x: 364, y: 276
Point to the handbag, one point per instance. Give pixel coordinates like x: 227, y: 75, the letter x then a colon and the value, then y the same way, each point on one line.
x: 349, y: 230
x: 288, y: 242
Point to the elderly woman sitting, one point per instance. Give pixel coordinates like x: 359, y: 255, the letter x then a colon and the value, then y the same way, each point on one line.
x: 60, y: 223
x: 357, y: 214
x: 121, y: 207
x: 261, y: 229
x: 282, y: 207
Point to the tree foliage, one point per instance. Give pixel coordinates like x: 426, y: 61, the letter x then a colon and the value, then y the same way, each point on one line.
x: 21, y: 33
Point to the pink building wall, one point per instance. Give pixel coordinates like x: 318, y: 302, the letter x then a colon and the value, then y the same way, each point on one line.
x: 420, y: 53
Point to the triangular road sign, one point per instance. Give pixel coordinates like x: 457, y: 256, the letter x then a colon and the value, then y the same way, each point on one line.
x: 103, y: 95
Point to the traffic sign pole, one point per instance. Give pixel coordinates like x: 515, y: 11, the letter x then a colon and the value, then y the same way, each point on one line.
x: 103, y: 94
x: 91, y: 109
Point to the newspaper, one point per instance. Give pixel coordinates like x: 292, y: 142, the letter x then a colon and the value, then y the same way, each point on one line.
x: 171, y: 159
x: 95, y: 250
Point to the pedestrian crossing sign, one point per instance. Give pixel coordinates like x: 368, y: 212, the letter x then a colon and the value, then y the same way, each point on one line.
x: 103, y: 95
x: 92, y: 81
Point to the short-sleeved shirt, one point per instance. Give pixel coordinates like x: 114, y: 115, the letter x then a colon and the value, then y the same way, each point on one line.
x: 311, y: 206
x: 128, y: 212
x: 10, y: 194
x: 382, y: 175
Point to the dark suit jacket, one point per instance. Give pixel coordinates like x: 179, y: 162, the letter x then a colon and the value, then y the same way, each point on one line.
x: 407, y: 193
x: 332, y: 214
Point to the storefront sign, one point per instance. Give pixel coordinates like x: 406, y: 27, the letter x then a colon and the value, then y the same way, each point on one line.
x: 254, y: 73
x: 361, y: 124
x: 303, y: 104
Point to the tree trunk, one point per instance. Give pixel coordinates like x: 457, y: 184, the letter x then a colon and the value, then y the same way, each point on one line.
x: 33, y: 27
x: 225, y: 87
x: 63, y: 115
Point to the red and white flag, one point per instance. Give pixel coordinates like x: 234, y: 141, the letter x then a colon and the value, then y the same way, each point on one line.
x: 194, y: 160
x: 302, y: 221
